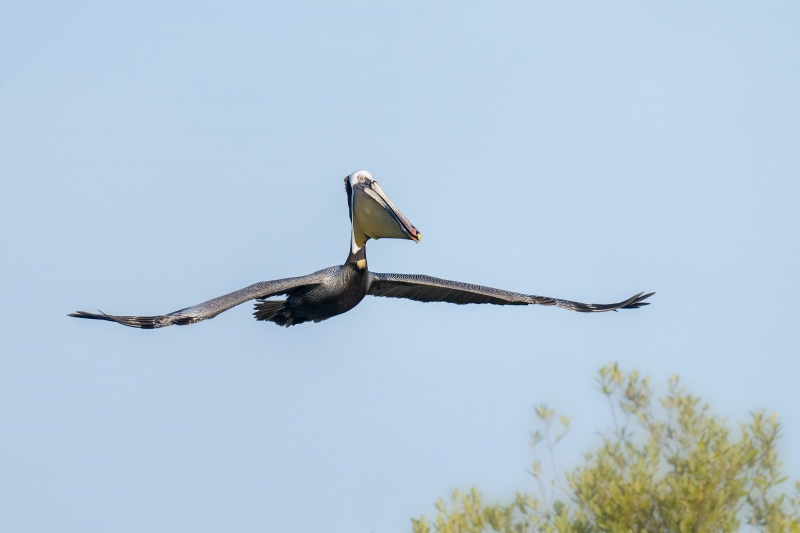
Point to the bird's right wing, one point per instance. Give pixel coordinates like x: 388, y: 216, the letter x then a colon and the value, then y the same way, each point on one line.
x: 211, y: 308
x: 423, y: 288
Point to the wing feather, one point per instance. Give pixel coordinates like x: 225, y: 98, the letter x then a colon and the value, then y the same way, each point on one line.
x: 213, y: 307
x: 423, y: 288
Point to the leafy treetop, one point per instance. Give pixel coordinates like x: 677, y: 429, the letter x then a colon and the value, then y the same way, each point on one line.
x: 678, y: 470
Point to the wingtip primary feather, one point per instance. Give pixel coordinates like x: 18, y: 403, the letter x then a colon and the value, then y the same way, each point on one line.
x: 638, y: 301
x: 140, y: 322
x: 93, y: 316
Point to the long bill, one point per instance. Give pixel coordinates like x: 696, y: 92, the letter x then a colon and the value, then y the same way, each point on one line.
x: 376, y: 217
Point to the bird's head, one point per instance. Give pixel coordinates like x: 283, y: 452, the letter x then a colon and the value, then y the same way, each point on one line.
x: 372, y: 214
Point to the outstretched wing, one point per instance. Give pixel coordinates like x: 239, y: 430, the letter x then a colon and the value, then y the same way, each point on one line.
x: 429, y: 289
x: 211, y: 308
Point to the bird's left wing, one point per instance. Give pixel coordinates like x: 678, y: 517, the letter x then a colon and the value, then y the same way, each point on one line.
x: 423, y: 288
x: 213, y: 307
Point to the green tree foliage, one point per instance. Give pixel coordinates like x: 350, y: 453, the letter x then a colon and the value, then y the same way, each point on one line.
x: 679, y: 469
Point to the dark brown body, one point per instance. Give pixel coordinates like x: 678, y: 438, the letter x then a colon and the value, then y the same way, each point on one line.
x: 342, y: 288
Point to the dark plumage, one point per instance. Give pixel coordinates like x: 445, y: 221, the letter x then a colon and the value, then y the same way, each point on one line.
x: 338, y: 289
x: 423, y: 288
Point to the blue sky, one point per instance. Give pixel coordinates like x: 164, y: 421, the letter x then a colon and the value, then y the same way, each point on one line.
x: 157, y: 154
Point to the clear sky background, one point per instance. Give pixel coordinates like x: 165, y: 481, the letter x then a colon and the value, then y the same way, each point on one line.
x: 157, y: 154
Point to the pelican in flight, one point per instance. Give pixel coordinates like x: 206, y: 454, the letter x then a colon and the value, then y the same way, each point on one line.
x: 336, y: 290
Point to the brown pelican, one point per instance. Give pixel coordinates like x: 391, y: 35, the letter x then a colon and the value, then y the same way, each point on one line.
x: 338, y: 289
